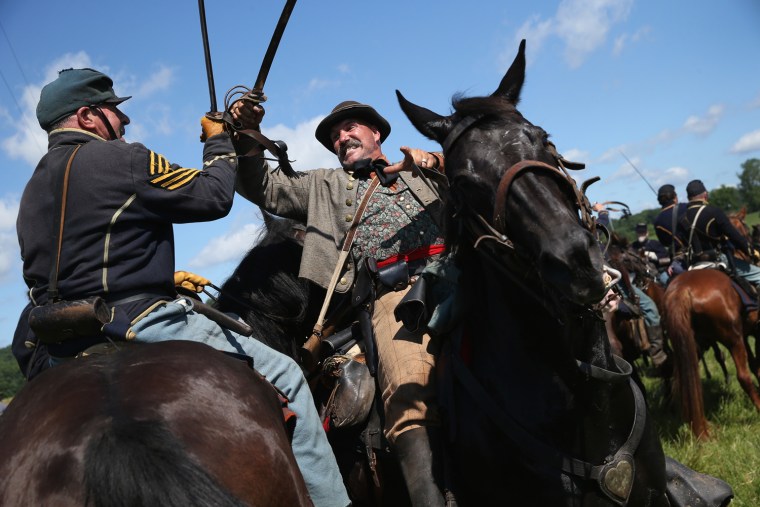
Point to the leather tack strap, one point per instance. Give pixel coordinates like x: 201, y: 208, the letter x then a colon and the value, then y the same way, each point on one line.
x: 345, y: 249
x: 61, y: 215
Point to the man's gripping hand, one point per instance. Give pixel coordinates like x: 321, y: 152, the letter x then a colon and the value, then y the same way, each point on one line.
x: 190, y: 281
x: 210, y: 128
x: 248, y: 112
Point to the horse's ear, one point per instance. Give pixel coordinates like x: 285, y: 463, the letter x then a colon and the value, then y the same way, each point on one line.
x: 743, y: 213
x: 512, y: 83
x: 430, y: 124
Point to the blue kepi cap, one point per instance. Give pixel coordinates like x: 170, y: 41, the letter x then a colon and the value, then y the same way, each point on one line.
x: 74, y: 88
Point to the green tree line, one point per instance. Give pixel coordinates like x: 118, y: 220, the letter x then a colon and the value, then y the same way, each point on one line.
x: 729, y: 199
x: 11, y: 378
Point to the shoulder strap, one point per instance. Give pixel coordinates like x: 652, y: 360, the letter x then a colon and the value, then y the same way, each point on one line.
x: 345, y: 249
x: 673, y: 231
x: 62, y: 191
x: 693, y: 227
x: 309, y: 348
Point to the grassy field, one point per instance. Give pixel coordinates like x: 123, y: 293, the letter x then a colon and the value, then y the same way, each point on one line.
x: 733, y: 453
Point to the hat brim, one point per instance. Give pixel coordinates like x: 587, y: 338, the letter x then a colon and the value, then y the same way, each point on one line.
x: 116, y: 100
x: 359, y: 112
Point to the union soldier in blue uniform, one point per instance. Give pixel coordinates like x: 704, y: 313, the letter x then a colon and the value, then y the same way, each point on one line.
x: 118, y: 243
x: 667, y: 226
x: 706, y: 228
x: 647, y: 305
x: 652, y: 250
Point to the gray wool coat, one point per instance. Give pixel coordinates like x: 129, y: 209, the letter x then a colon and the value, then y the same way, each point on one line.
x: 326, y: 201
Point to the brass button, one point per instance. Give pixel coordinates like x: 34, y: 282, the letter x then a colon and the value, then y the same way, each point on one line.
x: 401, y: 198
x: 349, y: 202
x: 408, y: 206
x: 343, y: 281
x: 351, y: 178
x: 350, y: 185
x: 349, y: 218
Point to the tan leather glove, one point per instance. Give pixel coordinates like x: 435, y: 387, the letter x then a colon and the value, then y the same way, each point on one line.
x: 190, y: 281
x: 210, y: 128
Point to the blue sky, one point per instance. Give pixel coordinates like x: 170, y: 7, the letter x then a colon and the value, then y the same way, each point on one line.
x: 674, y: 85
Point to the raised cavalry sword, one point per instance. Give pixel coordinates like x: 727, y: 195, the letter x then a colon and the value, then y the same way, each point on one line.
x: 256, y: 94
x: 207, y: 54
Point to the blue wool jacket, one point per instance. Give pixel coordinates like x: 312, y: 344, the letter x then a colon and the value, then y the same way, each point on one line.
x: 122, y: 201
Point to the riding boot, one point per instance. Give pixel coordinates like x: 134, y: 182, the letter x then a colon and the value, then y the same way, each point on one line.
x: 656, y: 351
x: 415, y: 456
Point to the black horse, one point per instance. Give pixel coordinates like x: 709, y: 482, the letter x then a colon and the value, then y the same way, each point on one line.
x: 540, y: 412
x: 265, y: 291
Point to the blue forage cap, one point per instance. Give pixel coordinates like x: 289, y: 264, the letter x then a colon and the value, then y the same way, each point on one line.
x: 694, y: 188
x: 74, y: 88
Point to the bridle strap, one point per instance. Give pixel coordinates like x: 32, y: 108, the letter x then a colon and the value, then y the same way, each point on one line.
x: 500, y: 205
x: 458, y: 130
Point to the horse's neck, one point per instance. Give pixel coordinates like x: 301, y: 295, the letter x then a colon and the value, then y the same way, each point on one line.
x: 517, y: 341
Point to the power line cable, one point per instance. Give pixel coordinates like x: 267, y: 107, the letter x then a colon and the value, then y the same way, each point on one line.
x: 32, y: 130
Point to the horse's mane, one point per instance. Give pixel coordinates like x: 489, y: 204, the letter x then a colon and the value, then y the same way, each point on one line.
x: 265, y: 289
x: 493, y: 107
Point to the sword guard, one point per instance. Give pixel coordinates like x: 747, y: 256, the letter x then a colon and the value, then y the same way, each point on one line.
x: 255, y: 96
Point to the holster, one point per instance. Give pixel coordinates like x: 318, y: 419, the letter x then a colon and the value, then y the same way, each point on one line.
x: 363, y: 300
x: 64, y: 320
x: 412, y: 311
x: 340, y: 342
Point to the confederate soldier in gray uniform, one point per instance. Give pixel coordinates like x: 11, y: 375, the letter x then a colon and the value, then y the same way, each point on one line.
x: 398, y: 226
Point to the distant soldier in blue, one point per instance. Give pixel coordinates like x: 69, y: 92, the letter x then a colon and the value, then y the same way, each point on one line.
x: 652, y: 250
x: 667, y: 227
x: 647, y: 305
x: 711, y: 236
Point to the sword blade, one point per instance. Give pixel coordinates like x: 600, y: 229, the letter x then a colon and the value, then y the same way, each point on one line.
x: 207, y: 54
x: 266, y: 64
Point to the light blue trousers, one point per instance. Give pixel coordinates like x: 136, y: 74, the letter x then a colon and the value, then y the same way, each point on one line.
x: 651, y: 314
x: 177, y: 321
x: 748, y: 271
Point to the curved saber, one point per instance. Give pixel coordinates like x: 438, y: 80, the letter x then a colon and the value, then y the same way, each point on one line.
x: 266, y: 64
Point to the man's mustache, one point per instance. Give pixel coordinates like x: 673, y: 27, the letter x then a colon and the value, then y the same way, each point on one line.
x: 351, y: 143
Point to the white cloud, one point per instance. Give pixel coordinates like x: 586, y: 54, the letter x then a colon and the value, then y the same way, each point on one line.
x: 582, y: 25
x: 8, y: 214
x: 746, y: 143
x: 575, y: 155
x: 533, y: 30
x: 9, y: 251
x: 162, y: 79
x: 624, y: 40
x: 29, y: 142
x: 232, y: 246
x: 316, y: 84
x: 672, y: 175
x: 705, y: 124
x: 301, y: 140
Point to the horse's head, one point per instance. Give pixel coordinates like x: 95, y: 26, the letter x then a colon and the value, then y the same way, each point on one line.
x: 503, y: 170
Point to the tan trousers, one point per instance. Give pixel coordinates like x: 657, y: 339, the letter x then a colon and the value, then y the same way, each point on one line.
x: 405, y: 371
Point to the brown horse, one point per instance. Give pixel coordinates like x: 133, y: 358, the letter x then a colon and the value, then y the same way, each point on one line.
x: 703, y: 308
x: 172, y: 424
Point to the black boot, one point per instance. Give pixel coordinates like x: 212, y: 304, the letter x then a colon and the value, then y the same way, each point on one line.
x: 415, y: 456
x: 656, y: 351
